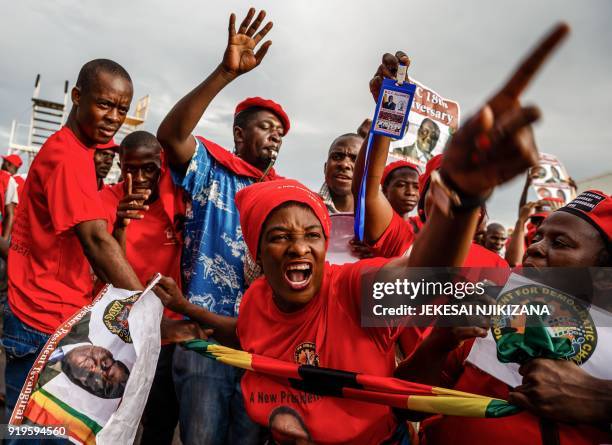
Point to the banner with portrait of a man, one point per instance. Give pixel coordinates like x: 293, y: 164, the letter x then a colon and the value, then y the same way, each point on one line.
x: 433, y: 119
x: 94, y: 373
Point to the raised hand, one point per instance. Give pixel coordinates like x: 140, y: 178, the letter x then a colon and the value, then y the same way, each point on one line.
x: 240, y: 56
x: 526, y: 211
x: 131, y: 204
x: 387, y: 68
x: 497, y: 143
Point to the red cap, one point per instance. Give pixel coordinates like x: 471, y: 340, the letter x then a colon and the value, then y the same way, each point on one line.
x: 394, y: 166
x: 110, y: 145
x: 258, y: 200
x: 13, y: 159
x: 594, y: 207
x: 268, y: 104
x: 433, y: 164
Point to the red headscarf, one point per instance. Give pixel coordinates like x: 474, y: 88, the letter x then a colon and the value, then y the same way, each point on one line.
x: 394, y: 166
x: 258, y: 200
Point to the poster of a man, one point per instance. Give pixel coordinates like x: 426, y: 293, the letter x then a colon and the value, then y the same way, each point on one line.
x: 432, y: 121
x: 388, y: 104
x: 422, y: 148
x: 551, y: 179
x: 287, y: 427
x: 94, y: 369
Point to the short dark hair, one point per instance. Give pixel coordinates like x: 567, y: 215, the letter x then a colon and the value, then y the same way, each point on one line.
x: 89, y: 72
x: 139, y: 139
x: 343, y: 136
x: 243, y: 118
x: 495, y: 226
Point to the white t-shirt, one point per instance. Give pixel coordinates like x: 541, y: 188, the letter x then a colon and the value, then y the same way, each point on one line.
x: 11, y: 192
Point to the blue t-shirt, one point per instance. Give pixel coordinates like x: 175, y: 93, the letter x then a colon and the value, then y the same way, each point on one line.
x: 213, y: 253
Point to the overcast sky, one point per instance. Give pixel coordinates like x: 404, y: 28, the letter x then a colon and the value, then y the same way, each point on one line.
x: 323, y: 55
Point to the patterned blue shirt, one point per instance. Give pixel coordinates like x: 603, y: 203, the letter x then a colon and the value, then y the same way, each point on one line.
x: 214, y: 249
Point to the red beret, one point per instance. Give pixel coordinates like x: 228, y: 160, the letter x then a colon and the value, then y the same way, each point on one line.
x: 258, y: 200
x: 13, y: 159
x: 433, y: 164
x: 594, y: 207
x: 394, y: 166
x: 268, y: 104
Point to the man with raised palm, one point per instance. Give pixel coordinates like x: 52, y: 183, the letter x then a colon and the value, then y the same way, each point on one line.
x: 211, y: 406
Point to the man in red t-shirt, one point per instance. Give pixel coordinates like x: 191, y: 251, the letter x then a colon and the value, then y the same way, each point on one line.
x: 400, y: 185
x: 150, y: 232
x: 60, y: 231
x: 12, y: 164
x: 577, y: 404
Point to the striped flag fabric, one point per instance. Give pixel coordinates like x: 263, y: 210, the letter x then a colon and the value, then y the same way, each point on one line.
x: 367, y: 388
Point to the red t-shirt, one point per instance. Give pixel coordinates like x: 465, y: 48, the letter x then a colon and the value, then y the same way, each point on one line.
x: 4, y: 182
x: 520, y: 429
x: 48, y: 275
x: 154, y: 243
x: 326, y: 333
x: 398, y: 238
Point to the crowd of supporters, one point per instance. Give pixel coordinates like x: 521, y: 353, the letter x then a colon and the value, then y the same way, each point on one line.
x: 243, y: 255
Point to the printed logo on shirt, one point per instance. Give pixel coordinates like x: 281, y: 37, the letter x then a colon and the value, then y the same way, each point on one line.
x: 568, y: 318
x: 306, y: 354
x: 116, y: 317
x: 171, y: 237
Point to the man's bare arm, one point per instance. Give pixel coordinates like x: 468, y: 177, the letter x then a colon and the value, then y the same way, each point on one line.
x: 378, y: 211
x: 174, y: 133
x: 224, y: 328
x: 516, y: 246
x: 105, y: 255
x: 7, y: 220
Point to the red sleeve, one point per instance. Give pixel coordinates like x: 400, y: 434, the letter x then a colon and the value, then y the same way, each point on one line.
x: 74, y: 196
x: 353, y: 277
x: 455, y: 361
x: 110, y: 200
x: 396, y: 240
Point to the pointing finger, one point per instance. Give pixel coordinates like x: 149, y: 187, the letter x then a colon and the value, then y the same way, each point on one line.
x: 528, y: 68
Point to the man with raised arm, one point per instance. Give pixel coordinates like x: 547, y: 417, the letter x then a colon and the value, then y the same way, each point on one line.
x: 211, y: 407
